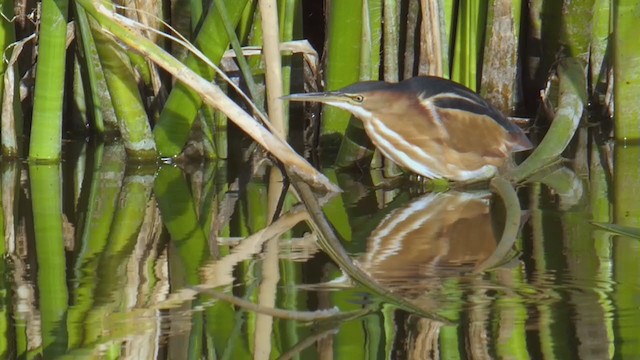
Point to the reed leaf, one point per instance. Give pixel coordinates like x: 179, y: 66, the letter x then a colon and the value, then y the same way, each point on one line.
x: 573, y: 97
x: 127, y: 102
x: 343, y: 51
x: 174, y: 125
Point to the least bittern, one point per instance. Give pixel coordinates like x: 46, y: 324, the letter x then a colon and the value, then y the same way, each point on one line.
x: 430, y: 125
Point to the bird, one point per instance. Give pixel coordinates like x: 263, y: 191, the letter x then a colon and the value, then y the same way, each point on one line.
x: 431, y: 126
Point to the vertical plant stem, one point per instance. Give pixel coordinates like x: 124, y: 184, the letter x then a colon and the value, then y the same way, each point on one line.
x: 174, y: 125
x: 273, y: 64
x: 344, y: 40
x: 391, y: 40
x: 390, y: 21
x: 196, y: 10
x: 11, y: 115
x: 46, y: 131
x: 626, y: 62
x: 104, y: 117
x: 8, y: 114
x: 366, y: 72
x: 431, y: 50
x: 576, y: 27
x: 600, y: 33
x: 127, y: 102
x: 237, y: 48
x: 412, y: 28
x: 355, y: 144
x: 290, y: 28
x: 500, y: 58
x: 469, y: 39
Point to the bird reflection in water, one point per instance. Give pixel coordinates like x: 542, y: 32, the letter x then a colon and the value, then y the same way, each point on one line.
x: 436, y: 236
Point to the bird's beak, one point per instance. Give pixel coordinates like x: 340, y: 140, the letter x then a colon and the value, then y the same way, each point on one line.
x: 323, y: 97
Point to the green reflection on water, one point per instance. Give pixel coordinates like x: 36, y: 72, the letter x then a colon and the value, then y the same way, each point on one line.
x: 118, y: 273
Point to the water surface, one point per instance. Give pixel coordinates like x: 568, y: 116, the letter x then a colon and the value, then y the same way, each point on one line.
x: 105, y: 258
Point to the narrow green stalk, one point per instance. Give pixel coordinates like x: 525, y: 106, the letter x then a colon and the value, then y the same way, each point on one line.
x: 573, y: 97
x: 127, y: 102
x: 371, y: 40
x: 221, y: 141
x: 600, y: 33
x: 468, y: 42
x: 626, y: 62
x: 237, y: 48
x: 46, y: 128
x: 290, y: 28
x: 344, y: 40
x: 104, y: 117
x: 249, y: 23
x: 197, y: 10
x: 186, y: 21
x: 576, y: 27
x: 182, y: 106
x: 356, y: 144
x: 79, y: 117
x: 447, y: 24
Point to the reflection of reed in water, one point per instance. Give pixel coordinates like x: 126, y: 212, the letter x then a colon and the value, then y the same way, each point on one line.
x: 435, y: 236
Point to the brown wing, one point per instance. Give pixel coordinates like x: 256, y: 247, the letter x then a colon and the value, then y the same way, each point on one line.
x: 475, y: 126
x: 473, y: 133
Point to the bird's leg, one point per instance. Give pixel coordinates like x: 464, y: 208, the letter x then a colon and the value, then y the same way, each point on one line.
x: 511, y: 169
x: 384, y: 171
x: 380, y: 181
x: 470, y: 185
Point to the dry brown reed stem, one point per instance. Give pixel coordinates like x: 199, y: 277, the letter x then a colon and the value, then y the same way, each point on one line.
x: 430, y: 41
x: 273, y: 64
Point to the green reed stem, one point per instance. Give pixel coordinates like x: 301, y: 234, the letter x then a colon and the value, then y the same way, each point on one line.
x: 46, y: 129
x: 573, y: 97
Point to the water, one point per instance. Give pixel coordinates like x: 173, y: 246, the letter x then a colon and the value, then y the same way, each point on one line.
x: 115, y: 260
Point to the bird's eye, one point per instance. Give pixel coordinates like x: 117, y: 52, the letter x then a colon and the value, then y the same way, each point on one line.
x: 358, y: 98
